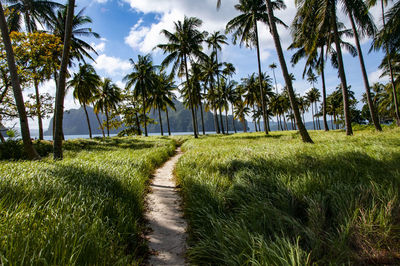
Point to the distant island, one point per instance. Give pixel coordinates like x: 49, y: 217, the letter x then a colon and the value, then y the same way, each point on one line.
x: 74, y: 122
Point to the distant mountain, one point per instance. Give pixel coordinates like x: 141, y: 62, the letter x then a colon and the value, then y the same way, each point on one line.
x: 74, y: 122
x: 181, y: 120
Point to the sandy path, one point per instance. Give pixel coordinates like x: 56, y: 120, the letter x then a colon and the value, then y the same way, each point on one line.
x: 167, y: 241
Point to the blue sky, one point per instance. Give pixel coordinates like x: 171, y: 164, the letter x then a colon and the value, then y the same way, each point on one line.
x: 132, y: 27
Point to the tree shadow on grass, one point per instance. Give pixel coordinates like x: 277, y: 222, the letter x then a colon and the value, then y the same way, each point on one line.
x: 302, y: 195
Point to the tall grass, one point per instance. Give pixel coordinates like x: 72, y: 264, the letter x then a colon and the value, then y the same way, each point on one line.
x: 86, y: 209
x: 271, y: 200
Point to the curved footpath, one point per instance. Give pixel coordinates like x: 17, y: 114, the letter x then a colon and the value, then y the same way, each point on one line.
x: 167, y: 240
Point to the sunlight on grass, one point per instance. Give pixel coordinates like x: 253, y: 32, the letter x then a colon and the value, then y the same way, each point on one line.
x: 86, y: 209
x: 273, y: 200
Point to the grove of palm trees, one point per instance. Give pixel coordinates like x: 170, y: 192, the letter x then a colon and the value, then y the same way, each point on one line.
x: 290, y: 150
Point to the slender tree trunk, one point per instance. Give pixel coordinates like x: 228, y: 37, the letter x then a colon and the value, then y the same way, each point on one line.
x: 326, y: 127
x: 312, y: 112
x: 88, y: 121
x: 220, y: 118
x: 244, y: 125
x: 100, y: 124
x: 216, y: 123
x: 190, y: 99
x: 202, y: 118
x: 197, y: 124
x: 38, y: 109
x: 284, y: 122
x: 226, y: 119
x: 169, y: 129
x: 259, y: 78
x: 159, y: 117
x: 371, y: 106
x: 60, y: 92
x: 144, y: 113
x: 395, y: 100
x: 332, y: 123
x: 347, y: 116
x: 233, y: 121
x: 302, y: 129
x: 107, y: 122
x: 276, y: 85
x: 138, y: 124
x: 19, y: 100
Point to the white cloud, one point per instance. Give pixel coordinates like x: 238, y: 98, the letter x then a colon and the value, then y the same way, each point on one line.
x: 376, y: 77
x: 100, y: 47
x: 112, y: 65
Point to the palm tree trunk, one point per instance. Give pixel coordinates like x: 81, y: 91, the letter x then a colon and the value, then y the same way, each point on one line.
x: 197, y: 124
x: 19, y: 100
x: 233, y: 120
x: 326, y: 127
x: 159, y: 117
x: 101, y: 125
x: 312, y: 112
x: 38, y: 111
x: 347, y: 116
x: 302, y: 129
x: 244, y: 125
x: 220, y: 118
x: 169, y: 129
x: 371, y: 106
x: 60, y: 92
x: 202, y: 118
x: 87, y: 119
x: 107, y: 123
x: 276, y: 85
x: 284, y: 122
x: 190, y: 98
x: 259, y: 77
x: 144, y: 113
x: 226, y: 120
x: 396, y: 102
x: 216, y: 123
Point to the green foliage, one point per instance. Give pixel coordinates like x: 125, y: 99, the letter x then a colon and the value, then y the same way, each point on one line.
x: 272, y: 200
x: 86, y: 209
x: 13, y: 149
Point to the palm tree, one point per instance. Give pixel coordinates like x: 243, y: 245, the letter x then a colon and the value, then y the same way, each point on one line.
x: 313, y: 96
x: 244, y: 28
x: 228, y: 72
x: 107, y: 98
x: 241, y: 111
x: 215, y: 41
x: 19, y: 100
x: 359, y: 16
x: 273, y: 67
x: 162, y: 96
x: 31, y: 12
x: 209, y: 69
x: 388, y: 38
x: 182, y: 45
x: 60, y: 91
x: 79, y: 48
x: 302, y: 129
x: 85, y: 84
x: 143, y: 79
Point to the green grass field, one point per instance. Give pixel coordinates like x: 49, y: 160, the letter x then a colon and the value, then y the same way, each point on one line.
x: 252, y: 199
x: 86, y: 209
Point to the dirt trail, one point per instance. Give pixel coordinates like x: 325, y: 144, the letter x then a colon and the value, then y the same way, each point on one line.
x: 167, y: 241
